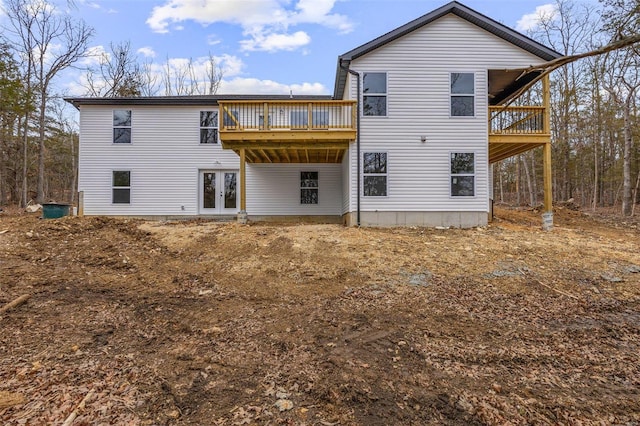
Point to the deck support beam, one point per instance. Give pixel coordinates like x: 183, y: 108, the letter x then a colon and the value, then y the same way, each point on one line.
x: 242, y: 214
x: 547, y: 221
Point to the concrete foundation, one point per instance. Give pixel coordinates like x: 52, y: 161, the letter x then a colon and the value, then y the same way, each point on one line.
x: 426, y: 219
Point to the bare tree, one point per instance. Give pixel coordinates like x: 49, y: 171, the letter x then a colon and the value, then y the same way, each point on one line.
x: 184, y: 78
x: 52, y: 42
x: 118, y: 73
x: 622, y: 84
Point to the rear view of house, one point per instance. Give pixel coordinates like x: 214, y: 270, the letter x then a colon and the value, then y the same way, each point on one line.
x: 416, y: 118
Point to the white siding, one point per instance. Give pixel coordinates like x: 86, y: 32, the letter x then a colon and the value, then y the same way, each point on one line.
x: 274, y: 190
x: 346, y: 184
x: 419, y: 66
x: 164, y: 157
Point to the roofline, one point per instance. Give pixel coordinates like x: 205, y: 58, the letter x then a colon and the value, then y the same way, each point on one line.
x: 187, y: 100
x: 457, y: 9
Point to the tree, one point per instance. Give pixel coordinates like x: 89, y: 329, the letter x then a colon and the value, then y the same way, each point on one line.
x: 52, y: 42
x: 621, y: 18
x: 118, y: 73
x: 12, y: 106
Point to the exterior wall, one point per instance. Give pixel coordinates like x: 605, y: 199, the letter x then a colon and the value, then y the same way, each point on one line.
x: 428, y: 219
x: 418, y: 68
x: 164, y: 157
x: 274, y: 190
x: 346, y: 183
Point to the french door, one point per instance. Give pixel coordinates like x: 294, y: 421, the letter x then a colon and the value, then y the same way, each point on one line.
x: 218, y: 192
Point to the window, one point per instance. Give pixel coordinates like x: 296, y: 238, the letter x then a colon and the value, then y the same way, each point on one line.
x: 208, y: 126
x: 230, y: 119
x: 121, y: 191
x: 375, y: 174
x: 462, y: 174
x: 122, y: 126
x: 308, y: 187
x: 462, y: 94
x: 374, y: 93
x: 261, y: 121
x: 320, y: 119
x: 299, y: 119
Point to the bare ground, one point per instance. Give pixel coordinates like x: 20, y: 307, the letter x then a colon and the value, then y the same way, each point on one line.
x: 217, y: 323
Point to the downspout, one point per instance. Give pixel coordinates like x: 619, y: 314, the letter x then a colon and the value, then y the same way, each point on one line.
x: 357, y: 75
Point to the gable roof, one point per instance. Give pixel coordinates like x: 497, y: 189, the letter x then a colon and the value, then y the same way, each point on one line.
x: 457, y: 9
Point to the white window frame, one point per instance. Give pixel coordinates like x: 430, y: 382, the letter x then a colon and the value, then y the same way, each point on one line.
x: 114, y: 187
x: 317, y: 188
x: 452, y: 175
x: 471, y: 95
x: 385, y: 94
x: 209, y: 127
x: 114, y: 127
x: 376, y: 174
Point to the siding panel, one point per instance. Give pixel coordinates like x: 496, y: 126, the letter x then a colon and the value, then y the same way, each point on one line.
x: 419, y: 66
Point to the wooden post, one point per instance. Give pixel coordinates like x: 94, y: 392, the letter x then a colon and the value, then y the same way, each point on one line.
x: 309, y: 116
x: 265, y: 122
x: 548, y: 194
x: 80, y: 203
x: 546, y: 102
x: 243, y: 180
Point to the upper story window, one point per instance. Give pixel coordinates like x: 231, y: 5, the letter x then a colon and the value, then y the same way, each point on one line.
x: 299, y: 119
x: 230, y: 119
x: 308, y: 187
x: 122, y: 126
x: 375, y: 174
x: 462, y: 94
x: 374, y: 93
x: 463, y: 172
x: 208, y: 126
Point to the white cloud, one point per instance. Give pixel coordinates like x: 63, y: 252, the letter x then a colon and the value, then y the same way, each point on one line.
x: 147, y: 52
x: 213, y: 39
x: 275, y: 42
x: 265, y: 22
x: 254, y: 86
x: 95, y: 55
x: 530, y: 21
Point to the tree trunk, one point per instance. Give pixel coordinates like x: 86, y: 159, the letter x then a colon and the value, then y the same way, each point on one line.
x: 40, y: 198
x: 635, y: 194
x: 528, y: 177
x: 74, y: 170
x: 518, y: 181
x: 626, y: 161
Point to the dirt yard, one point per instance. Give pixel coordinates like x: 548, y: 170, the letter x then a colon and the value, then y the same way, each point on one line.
x: 201, y: 323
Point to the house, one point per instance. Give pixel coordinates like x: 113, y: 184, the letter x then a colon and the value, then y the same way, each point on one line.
x: 417, y: 117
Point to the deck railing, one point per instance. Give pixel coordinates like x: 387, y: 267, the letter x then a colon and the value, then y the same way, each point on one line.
x: 517, y: 120
x: 287, y: 115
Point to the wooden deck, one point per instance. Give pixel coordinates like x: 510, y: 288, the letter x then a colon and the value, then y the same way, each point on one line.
x: 516, y: 129
x: 293, y: 131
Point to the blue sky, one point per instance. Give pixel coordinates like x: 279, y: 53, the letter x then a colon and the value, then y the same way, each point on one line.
x: 263, y: 46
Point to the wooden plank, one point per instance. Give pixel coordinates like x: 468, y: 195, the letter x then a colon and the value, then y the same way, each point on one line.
x: 286, y: 154
x: 306, y: 153
x: 264, y: 155
x: 288, y: 135
x: 288, y: 145
x: 521, y: 138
